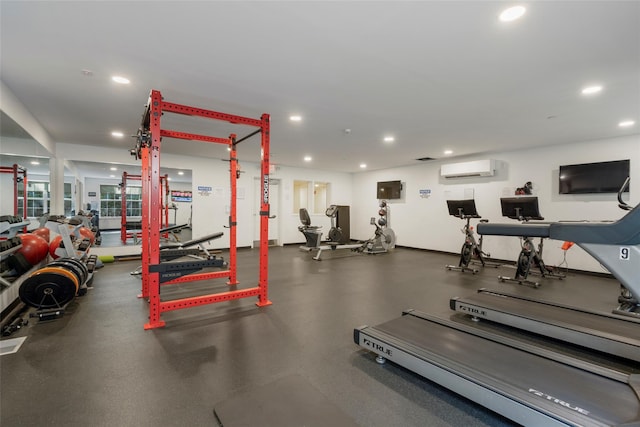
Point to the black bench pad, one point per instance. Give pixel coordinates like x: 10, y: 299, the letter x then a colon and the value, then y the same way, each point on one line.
x: 520, y: 230
x: 192, y: 242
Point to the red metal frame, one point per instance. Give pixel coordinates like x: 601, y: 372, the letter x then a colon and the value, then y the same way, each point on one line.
x: 151, y: 199
x: 164, y: 205
x: 18, y: 170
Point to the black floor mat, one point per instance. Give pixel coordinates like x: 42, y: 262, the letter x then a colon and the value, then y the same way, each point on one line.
x: 287, y: 402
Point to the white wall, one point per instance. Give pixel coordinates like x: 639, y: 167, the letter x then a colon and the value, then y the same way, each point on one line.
x: 418, y: 222
x: 210, y: 211
x: 425, y: 223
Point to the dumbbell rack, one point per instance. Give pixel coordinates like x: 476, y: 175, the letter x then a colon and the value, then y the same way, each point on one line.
x: 9, y: 293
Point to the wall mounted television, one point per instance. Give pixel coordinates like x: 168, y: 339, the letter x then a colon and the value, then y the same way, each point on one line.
x: 589, y: 178
x: 181, y: 196
x: 389, y: 190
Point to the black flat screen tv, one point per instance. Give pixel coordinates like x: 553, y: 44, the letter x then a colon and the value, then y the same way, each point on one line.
x: 588, y: 178
x: 389, y: 190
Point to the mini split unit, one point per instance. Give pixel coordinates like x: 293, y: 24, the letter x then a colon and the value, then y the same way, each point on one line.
x: 475, y: 168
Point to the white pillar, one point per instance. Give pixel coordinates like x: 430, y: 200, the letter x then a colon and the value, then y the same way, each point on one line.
x: 56, y: 186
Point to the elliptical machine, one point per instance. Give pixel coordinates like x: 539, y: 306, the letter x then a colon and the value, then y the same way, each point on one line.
x: 384, y: 239
x: 466, y: 209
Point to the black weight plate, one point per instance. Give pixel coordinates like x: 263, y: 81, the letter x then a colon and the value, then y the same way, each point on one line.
x: 72, y: 267
x: 81, y: 265
x: 47, y: 290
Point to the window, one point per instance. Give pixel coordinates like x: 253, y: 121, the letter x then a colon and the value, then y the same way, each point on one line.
x: 300, y: 195
x: 37, y: 199
x: 320, y: 197
x: 315, y: 202
x: 68, y: 199
x: 38, y: 202
x: 111, y: 201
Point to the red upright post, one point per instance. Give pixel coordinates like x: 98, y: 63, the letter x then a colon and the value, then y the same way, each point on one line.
x: 264, y: 214
x: 154, y: 210
x: 233, y: 178
x: 123, y: 208
x: 144, y: 181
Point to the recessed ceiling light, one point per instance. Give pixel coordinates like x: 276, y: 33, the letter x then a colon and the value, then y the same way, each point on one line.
x: 35, y: 162
x: 307, y: 158
x: 180, y: 173
x: 447, y: 152
x: 121, y: 80
x: 168, y: 178
x: 113, y: 168
x: 363, y: 165
x: 512, y: 13
x: 112, y: 176
x: 228, y: 148
x: 626, y: 123
x: 117, y: 134
x: 590, y: 90
x: 389, y: 139
x: 295, y: 118
x: 86, y: 73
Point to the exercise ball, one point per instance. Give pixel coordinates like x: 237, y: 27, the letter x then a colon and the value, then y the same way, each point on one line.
x: 43, y: 232
x: 54, y: 245
x: 86, y: 233
x: 34, y: 248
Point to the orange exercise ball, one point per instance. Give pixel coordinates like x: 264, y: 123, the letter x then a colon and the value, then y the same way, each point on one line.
x: 54, y: 245
x: 43, y: 232
x: 86, y: 233
x: 34, y: 248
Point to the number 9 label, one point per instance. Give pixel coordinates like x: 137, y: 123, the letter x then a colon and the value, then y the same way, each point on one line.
x: 624, y: 254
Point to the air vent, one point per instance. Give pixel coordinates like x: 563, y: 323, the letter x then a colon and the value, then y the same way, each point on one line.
x: 425, y: 159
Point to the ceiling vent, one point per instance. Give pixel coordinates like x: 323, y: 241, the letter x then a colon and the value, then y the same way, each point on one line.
x: 475, y: 168
x: 425, y: 159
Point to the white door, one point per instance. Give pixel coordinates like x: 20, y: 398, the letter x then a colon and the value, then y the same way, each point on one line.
x: 274, y: 201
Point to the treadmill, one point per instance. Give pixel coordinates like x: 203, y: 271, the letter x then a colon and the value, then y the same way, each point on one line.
x: 533, y: 380
x: 530, y: 385
x: 615, y: 335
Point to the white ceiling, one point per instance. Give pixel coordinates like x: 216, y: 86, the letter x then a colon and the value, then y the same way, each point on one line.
x: 436, y: 75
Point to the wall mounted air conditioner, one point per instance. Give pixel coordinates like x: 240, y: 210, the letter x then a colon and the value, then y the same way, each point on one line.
x: 474, y: 168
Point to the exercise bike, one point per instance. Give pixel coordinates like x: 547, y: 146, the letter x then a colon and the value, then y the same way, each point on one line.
x: 526, y: 209
x: 471, y: 250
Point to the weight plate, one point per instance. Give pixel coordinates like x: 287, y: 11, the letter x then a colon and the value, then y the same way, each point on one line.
x: 48, y: 290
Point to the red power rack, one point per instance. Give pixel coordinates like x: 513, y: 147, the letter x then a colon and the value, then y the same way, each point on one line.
x: 130, y: 230
x: 148, y: 150
x: 19, y: 175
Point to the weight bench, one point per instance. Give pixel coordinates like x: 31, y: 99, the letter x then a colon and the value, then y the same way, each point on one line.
x: 523, y: 209
x: 172, y: 251
x: 169, y: 233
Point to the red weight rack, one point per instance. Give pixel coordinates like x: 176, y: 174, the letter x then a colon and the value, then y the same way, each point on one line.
x: 148, y: 150
x: 19, y: 175
x: 132, y: 230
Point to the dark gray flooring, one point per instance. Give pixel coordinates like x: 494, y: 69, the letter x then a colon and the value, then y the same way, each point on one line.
x: 97, y: 366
